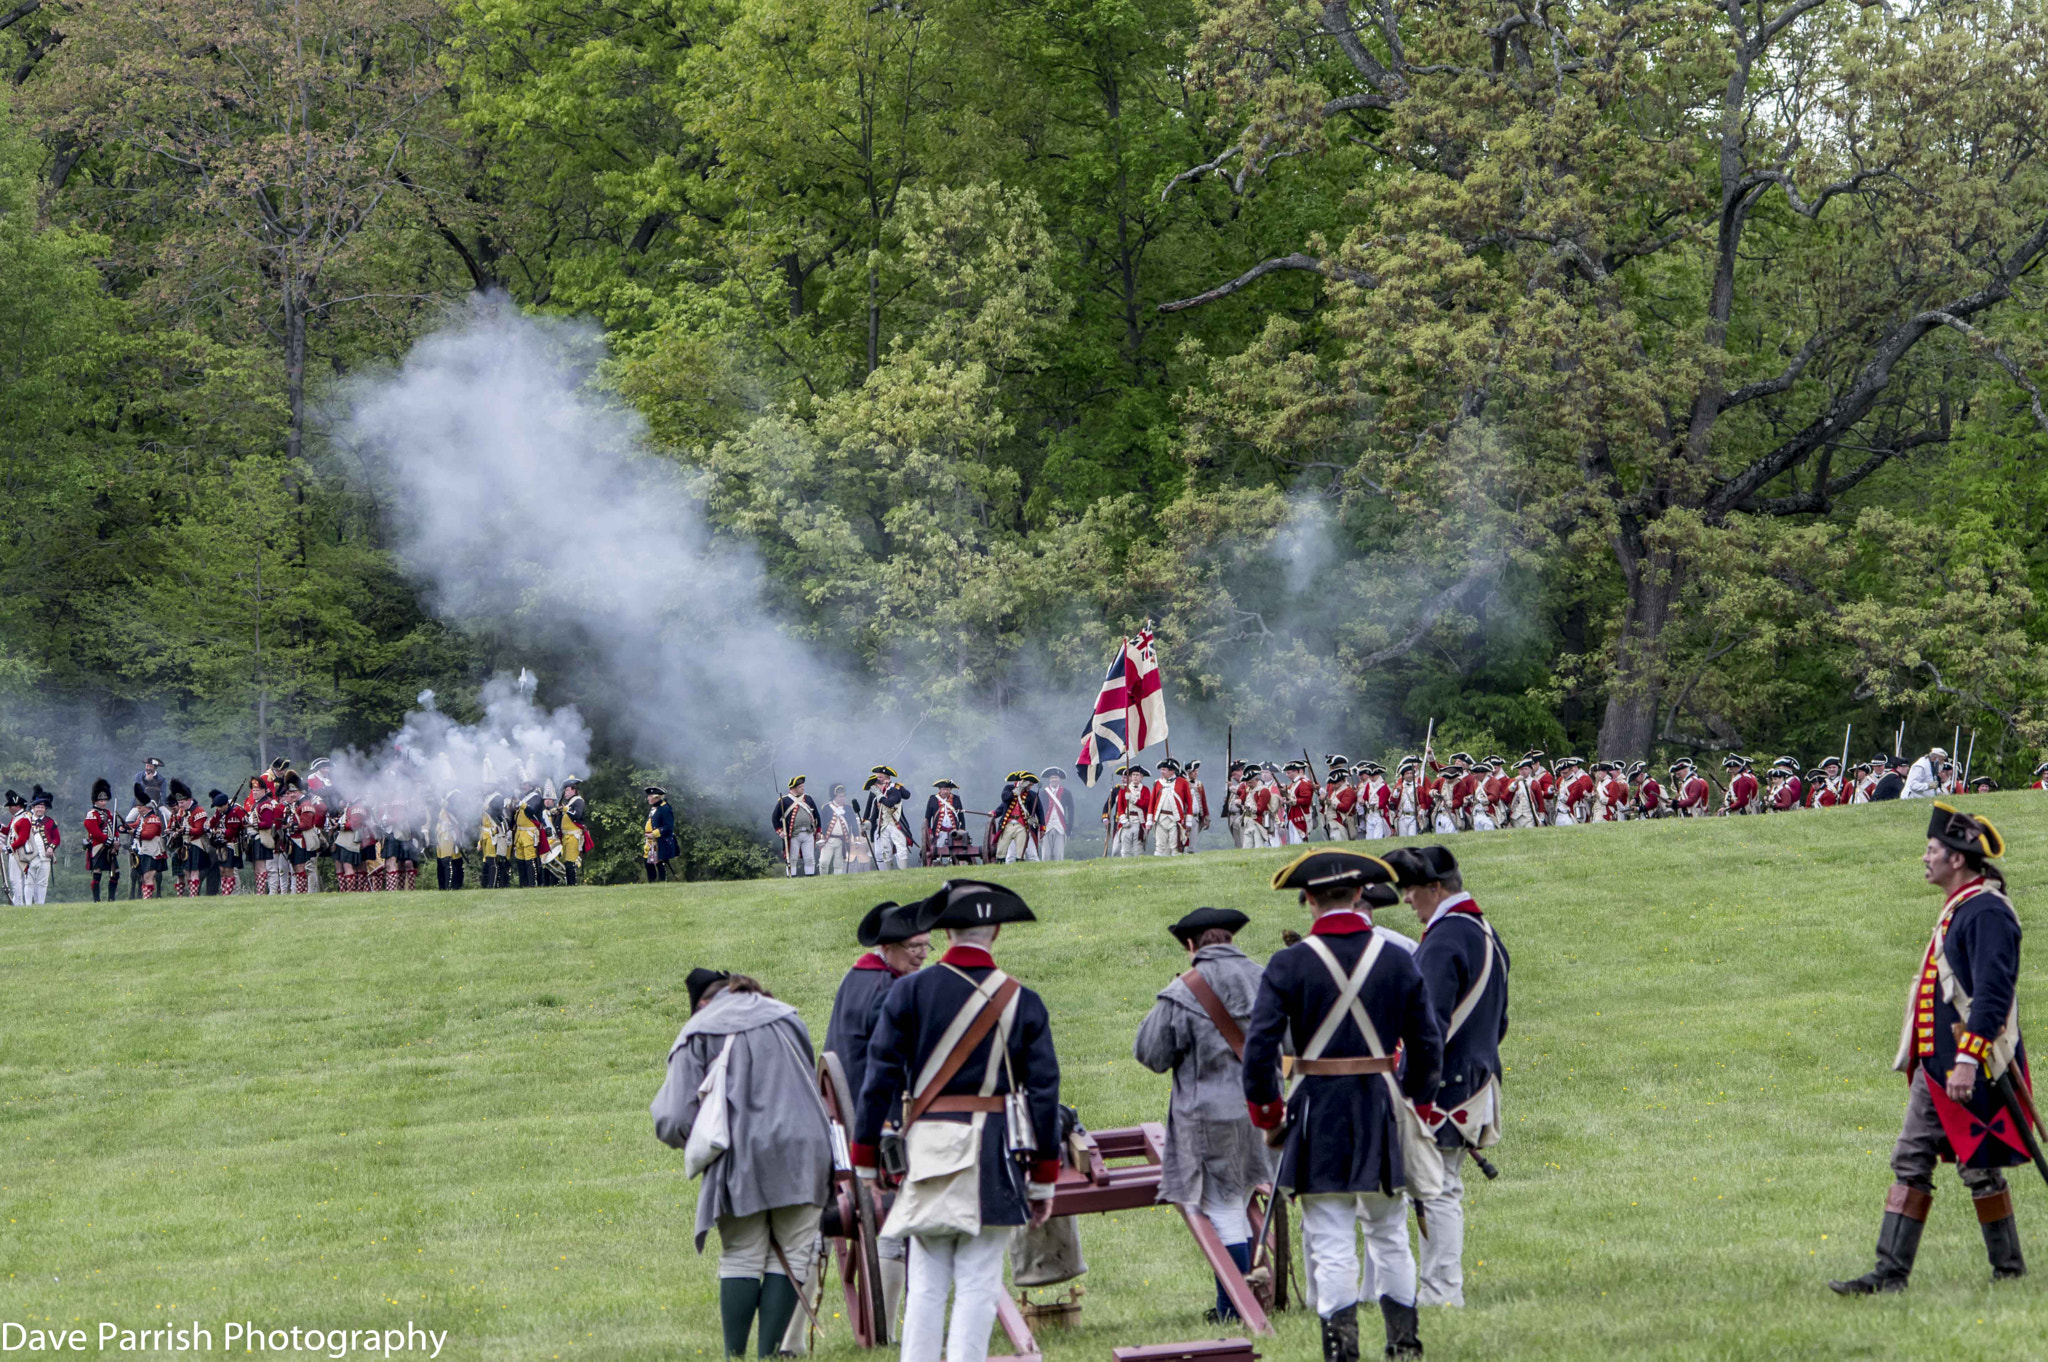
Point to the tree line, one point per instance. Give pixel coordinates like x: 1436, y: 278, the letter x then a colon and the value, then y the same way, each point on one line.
x: 1646, y: 378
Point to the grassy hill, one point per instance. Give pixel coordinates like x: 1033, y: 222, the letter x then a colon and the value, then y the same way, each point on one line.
x: 358, y: 1111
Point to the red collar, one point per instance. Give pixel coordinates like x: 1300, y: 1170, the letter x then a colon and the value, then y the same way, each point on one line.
x: 1344, y: 922
x: 873, y: 961
x: 1963, y: 891
x: 968, y: 957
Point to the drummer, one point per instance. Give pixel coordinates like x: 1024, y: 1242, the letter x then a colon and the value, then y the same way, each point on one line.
x: 895, y: 947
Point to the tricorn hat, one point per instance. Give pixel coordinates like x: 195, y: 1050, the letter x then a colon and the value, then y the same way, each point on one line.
x: 1421, y: 865
x: 883, y: 770
x: 1332, y: 868
x: 887, y: 924
x: 797, y: 780
x: 15, y: 801
x: 1168, y: 764
x: 972, y: 903
x: 1381, y: 896
x: 1049, y: 772
x: 944, y: 784
x: 1983, y: 785
x: 700, y: 979
x: 101, y: 789
x: 1960, y: 831
x: 656, y: 790
x: 2041, y: 768
x: 1206, y: 920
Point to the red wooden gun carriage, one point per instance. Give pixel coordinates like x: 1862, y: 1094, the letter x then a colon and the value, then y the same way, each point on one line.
x: 1110, y: 1170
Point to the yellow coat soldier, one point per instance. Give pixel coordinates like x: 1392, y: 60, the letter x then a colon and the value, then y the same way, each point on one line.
x: 573, y: 819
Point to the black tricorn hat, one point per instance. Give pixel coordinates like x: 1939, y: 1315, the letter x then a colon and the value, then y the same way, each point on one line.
x: 15, y: 801
x: 1061, y: 771
x: 1960, y: 831
x: 944, y: 784
x: 1330, y: 868
x: 887, y: 924
x: 1983, y: 785
x: 1206, y: 920
x: 101, y: 789
x: 795, y: 781
x: 883, y: 770
x: 1421, y: 865
x: 700, y: 979
x: 871, y: 782
x: 972, y: 903
x: 1381, y: 896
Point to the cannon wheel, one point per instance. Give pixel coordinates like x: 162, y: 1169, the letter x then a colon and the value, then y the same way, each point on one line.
x: 860, y: 1253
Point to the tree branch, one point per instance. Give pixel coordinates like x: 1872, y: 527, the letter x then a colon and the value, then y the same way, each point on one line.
x: 18, y: 13
x: 2005, y: 361
x: 1434, y: 610
x: 1297, y: 261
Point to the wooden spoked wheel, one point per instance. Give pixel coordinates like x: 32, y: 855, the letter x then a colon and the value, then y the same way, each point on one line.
x: 857, y: 1247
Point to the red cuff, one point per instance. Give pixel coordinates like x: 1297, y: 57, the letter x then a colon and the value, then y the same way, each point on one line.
x: 1973, y: 1046
x: 1046, y: 1171
x: 1269, y: 1116
x: 865, y: 1155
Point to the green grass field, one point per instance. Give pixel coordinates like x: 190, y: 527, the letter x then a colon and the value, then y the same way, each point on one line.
x: 354, y: 1112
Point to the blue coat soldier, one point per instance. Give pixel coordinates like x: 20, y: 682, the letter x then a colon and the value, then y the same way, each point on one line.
x: 952, y: 1041
x: 1346, y: 1001
x: 1466, y: 968
x: 1960, y: 1037
x: 658, y: 838
x: 895, y: 948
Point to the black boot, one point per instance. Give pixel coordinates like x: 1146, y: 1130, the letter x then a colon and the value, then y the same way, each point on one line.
x: 1340, y: 1336
x: 2001, y: 1236
x: 1402, y: 1339
x: 1898, y: 1243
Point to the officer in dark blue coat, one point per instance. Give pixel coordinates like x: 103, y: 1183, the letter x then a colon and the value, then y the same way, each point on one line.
x: 1347, y: 998
x: 1966, y: 1069
x: 925, y: 1020
x: 1466, y: 969
x: 658, y: 837
x: 896, y: 948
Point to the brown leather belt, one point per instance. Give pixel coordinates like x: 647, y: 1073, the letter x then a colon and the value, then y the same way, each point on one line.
x: 963, y: 1104
x: 1335, y: 1068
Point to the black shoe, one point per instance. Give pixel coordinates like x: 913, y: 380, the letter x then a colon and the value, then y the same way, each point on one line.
x: 1402, y: 1338
x: 1340, y: 1336
x: 1898, y: 1244
x: 2001, y: 1237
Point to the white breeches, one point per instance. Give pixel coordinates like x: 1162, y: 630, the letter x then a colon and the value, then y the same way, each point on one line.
x: 971, y: 1271
x: 1231, y: 1215
x: 803, y: 854
x: 1482, y: 822
x: 1166, y: 837
x: 1443, y: 1247
x: 832, y: 858
x: 892, y: 848
x: 1407, y: 826
x: 1445, y: 824
x: 1329, y: 1231
x: 1052, y: 846
x: 1130, y: 838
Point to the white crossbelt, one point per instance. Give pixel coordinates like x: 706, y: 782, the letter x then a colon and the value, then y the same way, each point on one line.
x: 1347, y: 1004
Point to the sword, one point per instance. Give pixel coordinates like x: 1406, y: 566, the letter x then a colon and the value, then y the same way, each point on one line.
x: 2021, y: 1109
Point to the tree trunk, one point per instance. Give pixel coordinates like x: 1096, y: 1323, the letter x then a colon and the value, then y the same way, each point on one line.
x: 295, y: 368
x: 1630, y: 723
x: 874, y: 318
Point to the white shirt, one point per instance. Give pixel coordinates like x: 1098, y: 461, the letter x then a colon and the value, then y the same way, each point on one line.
x: 1446, y: 906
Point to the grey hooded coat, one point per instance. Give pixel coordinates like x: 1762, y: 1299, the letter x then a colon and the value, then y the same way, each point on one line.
x: 781, y: 1152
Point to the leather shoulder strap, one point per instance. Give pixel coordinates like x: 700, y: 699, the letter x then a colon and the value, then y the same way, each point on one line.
x: 1233, y: 1036
x: 984, y: 1022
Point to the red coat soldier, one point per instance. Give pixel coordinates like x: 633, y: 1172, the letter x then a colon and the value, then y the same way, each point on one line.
x: 102, y: 829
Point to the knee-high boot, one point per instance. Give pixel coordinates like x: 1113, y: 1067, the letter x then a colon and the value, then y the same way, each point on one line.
x: 1898, y: 1243
x: 1340, y: 1335
x: 2001, y: 1235
x: 1403, y: 1340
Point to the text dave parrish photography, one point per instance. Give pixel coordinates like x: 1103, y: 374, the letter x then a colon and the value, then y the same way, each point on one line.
x: 242, y: 1336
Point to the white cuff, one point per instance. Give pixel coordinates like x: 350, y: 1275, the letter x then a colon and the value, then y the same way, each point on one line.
x: 1038, y: 1191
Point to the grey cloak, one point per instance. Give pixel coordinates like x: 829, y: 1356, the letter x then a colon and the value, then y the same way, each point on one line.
x: 781, y: 1152
x: 1212, y: 1150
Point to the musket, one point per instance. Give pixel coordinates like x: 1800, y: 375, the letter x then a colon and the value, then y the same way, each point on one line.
x: 1315, y: 800
x: 1847, y: 729
x: 1969, y: 758
x: 2021, y: 1108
